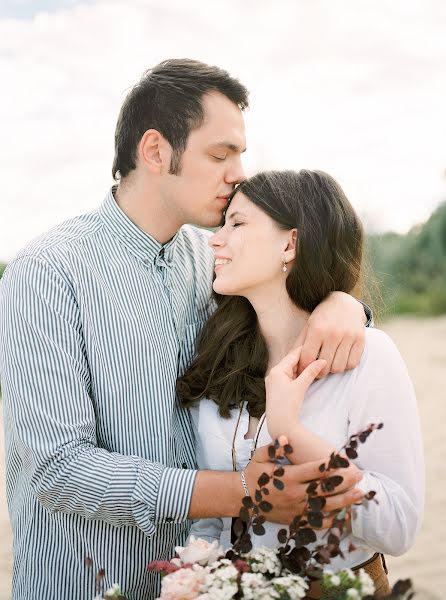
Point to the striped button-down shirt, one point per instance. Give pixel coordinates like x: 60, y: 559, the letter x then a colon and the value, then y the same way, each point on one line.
x: 96, y: 321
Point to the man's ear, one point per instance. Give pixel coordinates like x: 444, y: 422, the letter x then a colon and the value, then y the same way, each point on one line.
x: 154, y: 152
x: 292, y: 245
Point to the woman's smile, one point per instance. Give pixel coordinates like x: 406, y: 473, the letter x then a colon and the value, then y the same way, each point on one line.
x: 221, y: 262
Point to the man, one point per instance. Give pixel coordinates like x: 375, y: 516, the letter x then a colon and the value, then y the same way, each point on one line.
x: 98, y: 317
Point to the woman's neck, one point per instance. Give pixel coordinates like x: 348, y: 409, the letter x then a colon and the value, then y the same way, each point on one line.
x: 281, y: 322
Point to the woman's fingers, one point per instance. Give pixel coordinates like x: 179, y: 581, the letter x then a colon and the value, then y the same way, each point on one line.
x: 330, y: 520
x: 309, y: 374
x: 343, y: 500
x: 288, y: 364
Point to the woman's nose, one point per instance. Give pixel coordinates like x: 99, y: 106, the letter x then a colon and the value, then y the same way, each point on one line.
x: 216, y: 240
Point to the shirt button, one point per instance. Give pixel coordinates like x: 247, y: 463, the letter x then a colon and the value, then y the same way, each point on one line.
x: 169, y: 520
x: 184, y: 465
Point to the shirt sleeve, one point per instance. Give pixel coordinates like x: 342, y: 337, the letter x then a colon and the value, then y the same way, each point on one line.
x: 370, y: 322
x: 47, y: 396
x: 207, y: 529
x: 392, y: 457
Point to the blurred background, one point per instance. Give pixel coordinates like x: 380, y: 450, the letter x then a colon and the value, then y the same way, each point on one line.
x: 353, y: 87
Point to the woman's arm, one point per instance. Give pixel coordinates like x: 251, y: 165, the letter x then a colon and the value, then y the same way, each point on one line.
x: 392, y: 458
x: 284, y: 396
x: 307, y: 446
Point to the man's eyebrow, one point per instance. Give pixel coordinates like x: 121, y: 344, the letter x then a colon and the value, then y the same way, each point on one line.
x: 228, y: 145
x: 232, y: 215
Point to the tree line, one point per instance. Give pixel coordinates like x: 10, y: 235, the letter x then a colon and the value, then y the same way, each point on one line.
x: 411, y: 269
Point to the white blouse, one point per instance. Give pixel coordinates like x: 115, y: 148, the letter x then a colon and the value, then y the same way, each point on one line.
x: 335, y: 407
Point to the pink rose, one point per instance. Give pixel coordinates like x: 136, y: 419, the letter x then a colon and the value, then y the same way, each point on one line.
x: 199, y: 551
x: 184, y: 584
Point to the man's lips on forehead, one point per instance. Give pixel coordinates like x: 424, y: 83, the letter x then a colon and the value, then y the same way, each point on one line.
x: 225, y: 195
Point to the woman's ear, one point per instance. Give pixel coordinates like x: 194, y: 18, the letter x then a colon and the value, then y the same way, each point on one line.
x: 292, y: 245
x: 155, y: 152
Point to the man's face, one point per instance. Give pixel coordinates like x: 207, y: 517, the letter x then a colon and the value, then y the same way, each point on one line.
x: 211, y: 165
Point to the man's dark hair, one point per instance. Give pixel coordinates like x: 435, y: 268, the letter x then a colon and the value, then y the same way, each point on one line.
x: 168, y: 98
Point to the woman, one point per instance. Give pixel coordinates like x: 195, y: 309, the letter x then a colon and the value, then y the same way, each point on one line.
x: 289, y: 239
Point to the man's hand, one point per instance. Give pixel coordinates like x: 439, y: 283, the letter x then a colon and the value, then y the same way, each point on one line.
x: 334, y: 332
x: 290, y: 501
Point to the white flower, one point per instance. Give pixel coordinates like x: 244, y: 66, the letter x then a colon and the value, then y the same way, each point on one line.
x: 349, y: 574
x: 367, y: 585
x: 256, y: 587
x: 335, y: 580
x: 293, y: 585
x: 115, y: 590
x: 264, y: 560
x: 220, y: 581
x: 198, y: 551
x: 354, y: 594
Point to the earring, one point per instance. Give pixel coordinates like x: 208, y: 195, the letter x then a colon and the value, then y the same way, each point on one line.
x: 284, y: 267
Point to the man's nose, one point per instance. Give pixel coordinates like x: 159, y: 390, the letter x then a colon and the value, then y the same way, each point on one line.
x: 236, y: 174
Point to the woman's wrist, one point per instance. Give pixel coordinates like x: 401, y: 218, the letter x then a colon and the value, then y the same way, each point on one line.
x: 307, y: 446
x: 291, y: 432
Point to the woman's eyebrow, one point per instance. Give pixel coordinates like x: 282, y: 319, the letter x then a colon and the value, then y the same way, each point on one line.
x: 232, y: 215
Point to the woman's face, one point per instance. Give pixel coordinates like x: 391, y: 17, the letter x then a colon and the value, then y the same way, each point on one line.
x: 249, y: 250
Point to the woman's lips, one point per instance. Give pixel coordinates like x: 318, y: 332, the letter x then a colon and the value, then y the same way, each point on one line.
x: 221, y: 264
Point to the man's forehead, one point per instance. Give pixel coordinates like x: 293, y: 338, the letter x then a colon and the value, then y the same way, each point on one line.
x: 223, y: 122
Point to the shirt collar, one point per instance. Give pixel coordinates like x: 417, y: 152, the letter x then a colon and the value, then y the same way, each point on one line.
x: 137, y: 241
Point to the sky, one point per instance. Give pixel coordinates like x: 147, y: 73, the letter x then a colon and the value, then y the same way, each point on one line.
x: 353, y: 87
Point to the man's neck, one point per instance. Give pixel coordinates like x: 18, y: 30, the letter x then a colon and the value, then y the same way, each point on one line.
x: 144, y: 207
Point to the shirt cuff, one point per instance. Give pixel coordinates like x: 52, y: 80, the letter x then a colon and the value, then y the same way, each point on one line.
x: 174, y: 495
x: 161, y: 495
x: 369, y: 314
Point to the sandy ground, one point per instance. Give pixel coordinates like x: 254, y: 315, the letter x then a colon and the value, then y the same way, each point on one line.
x: 422, y: 343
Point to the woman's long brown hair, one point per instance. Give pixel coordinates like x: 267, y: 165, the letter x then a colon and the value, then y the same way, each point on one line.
x: 232, y: 357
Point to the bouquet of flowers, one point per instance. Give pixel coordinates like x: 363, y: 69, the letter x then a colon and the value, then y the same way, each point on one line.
x: 203, y: 570
x: 258, y: 575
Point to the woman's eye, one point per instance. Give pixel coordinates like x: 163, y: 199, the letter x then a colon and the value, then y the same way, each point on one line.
x: 220, y: 157
x: 236, y: 224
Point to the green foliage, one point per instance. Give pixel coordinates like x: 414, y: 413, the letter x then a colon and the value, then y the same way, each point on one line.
x: 411, y: 269
x: 2, y: 268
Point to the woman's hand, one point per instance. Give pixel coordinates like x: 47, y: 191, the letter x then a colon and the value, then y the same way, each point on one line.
x: 285, y: 393
x: 291, y: 501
